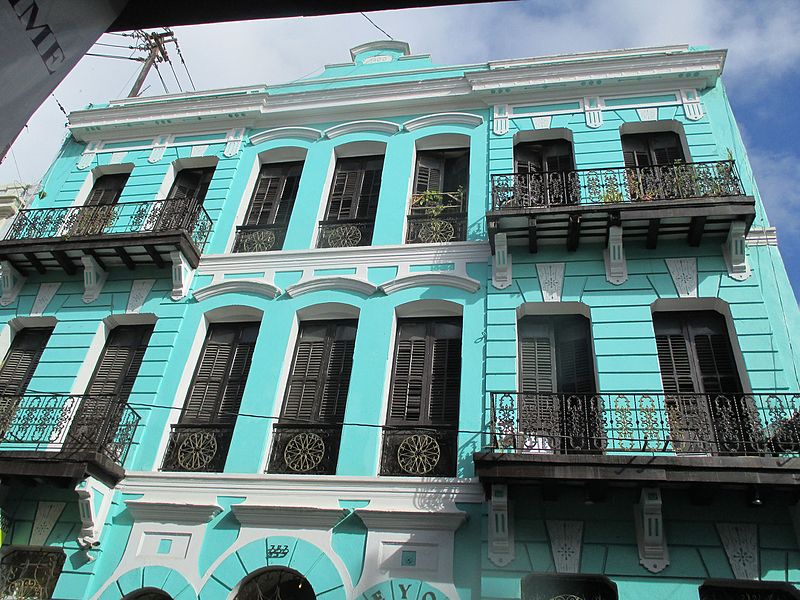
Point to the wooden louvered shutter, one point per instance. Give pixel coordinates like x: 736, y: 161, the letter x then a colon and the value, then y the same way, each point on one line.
x: 536, y: 365
x: 674, y: 358
x: 430, y: 172
x: 265, y: 196
x: 120, y: 361
x: 666, y: 148
x: 528, y: 159
x: 574, y: 357
x: 291, y: 185
x: 107, y: 190
x: 21, y: 360
x: 409, y: 373
x: 341, y: 345
x: 370, y: 188
x: 717, y: 367
x: 346, y: 183
x: 306, y: 375
x: 191, y: 184
x: 445, y: 370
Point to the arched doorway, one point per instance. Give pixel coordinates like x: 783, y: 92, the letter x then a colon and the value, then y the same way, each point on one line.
x: 275, y: 583
x: 148, y: 594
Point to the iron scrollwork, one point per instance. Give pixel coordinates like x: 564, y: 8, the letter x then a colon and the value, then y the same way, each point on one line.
x: 305, y: 449
x: 197, y: 448
x: 30, y: 573
x: 428, y: 452
x: 345, y: 233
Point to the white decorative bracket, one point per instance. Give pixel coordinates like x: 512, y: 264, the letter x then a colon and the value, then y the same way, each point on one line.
x: 684, y: 275
x: 43, y: 297
x: 500, y: 120
x: 12, y: 283
x: 614, y: 256
x: 542, y: 122
x: 92, y: 513
x: 182, y: 274
x: 650, y: 536
x: 734, y: 252
x: 87, y: 157
x: 551, y: 280
x: 501, y: 264
x: 593, y: 112
x: 566, y: 539
x: 233, y: 141
x: 501, y: 532
x: 692, y: 107
x: 94, y: 277
x: 159, y: 147
x: 740, y: 542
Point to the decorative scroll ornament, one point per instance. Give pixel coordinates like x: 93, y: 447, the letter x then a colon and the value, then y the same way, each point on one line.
x: 262, y: 240
x: 87, y: 157
x: 159, y: 147
x: 542, y: 122
x: 344, y: 236
x: 684, y: 275
x: 46, y: 293
x: 12, y: 283
x: 500, y: 120
x: 650, y: 537
x: 304, y: 452
x: 436, y: 231
x: 418, y: 454
x: 30, y: 574
x: 692, y: 107
x: 593, y: 112
x: 501, y: 532
x: 551, y: 280
x: 233, y: 142
x: 740, y: 541
x: 197, y: 451
x: 565, y: 543
x: 139, y: 292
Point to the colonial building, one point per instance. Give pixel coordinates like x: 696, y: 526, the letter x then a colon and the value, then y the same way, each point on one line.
x: 399, y: 331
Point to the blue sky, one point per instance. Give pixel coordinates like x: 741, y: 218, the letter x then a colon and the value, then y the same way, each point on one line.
x: 761, y: 72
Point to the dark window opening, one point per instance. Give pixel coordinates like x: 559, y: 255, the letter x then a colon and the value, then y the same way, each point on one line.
x: 21, y: 360
x: 648, y: 149
x: 274, y: 195
x: 748, y: 590
x: 191, y: 185
x: 148, y: 594
x: 442, y: 171
x: 275, y: 583
x: 107, y: 189
x: 547, y: 156
x: 572, y: 587
x: 544, y: 173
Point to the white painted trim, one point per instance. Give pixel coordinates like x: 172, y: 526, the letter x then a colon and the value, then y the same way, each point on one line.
x: 451, y: 118
x: 279, y: 133
x: 391, y: 45
x: 766, y: 236
x: 172, y: 512
x: 403, y: 520
x: 364, y: 126
x: 277, y: 516
x: 433, y: 278
x: 13, y: 282
x: 237, y: 286
x: 44, y: 296
x: 333, y: 282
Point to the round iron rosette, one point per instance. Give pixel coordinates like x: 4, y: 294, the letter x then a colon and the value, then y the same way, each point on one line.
x: 24, y: 589
x: 436, y: 231
x: 259, y: 241
x: 197, y: 451
x: 344, y: 236
x: 304, y: 452
x: 418, y: 454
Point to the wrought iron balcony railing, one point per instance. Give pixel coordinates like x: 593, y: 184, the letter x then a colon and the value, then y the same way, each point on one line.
x: 616, y: 185
x: 30, y: 572
x: 437, y: 217
x: 345, y: 233
x: 198, y: 447
x: 419, y: 451
x: 259, y: 238
x: 124, y: 217
x: 305, y: 449
x: 719, y: 424
x: 67, y: 425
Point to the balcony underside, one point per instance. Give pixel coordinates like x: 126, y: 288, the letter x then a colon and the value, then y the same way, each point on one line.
x: 690, y: 220
x: 63, y: 469
x: 126, y: 250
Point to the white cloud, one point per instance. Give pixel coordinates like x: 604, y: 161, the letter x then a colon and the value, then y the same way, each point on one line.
x: 773, y: 172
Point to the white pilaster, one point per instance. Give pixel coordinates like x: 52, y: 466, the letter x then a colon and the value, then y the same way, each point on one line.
x: 650, y: 536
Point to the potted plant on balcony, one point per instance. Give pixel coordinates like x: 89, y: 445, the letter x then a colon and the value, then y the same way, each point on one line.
x: 432, y: 204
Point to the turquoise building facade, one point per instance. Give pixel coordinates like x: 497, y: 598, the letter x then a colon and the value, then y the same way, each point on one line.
x: 517, y: 329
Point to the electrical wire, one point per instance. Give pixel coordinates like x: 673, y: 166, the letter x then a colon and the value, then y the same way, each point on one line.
x: 163, y: 84
x: 113, y: 45
x: 174, y: 74
x: 377, y: 26
x: 113, y: 56
x: 183, y: 62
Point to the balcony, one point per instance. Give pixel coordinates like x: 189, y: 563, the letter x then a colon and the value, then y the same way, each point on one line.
x: 345, y: 233
x: 201, y: 448
x: 126, y: 234
x: 731, y: 438
x: 419, y: 452
x: 678, y: 201
x: 259, y: 238
x: 437, y: 218
x: 65, y: 437
x: 305, y: 449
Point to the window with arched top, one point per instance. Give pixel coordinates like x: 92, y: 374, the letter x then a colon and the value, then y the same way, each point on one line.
x: 148, y: 594
x: 275, y: 583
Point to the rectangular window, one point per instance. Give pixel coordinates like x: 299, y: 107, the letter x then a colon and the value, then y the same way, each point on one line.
x: 107, y: 189
x: 191, y: 184
x: 441, y: 171
x: 21, y: 360
x: 647, y: 149
x: 438, y: 204
x: 542, y: 173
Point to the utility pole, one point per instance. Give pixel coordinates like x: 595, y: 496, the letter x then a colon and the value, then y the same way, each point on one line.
x: 155, y: 45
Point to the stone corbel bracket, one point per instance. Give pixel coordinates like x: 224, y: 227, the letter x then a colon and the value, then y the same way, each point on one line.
x: 88, y: 155
x: 650, y: 536
x: 92, y: 513
x: 94, y: 277
x: 182, y: 274
x: 160, y: 144
x: 12, y: 283
x: 593, y: 112
x: 500, y: 119
x: 233, y: 142
x: 501, y: 531
x: 692, y: 107
x: 501, y: 263
x: 614, y: 256
x: 734, y: 252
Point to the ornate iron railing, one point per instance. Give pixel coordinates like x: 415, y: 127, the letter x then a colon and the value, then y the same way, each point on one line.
x: 67, y: 425
x: 419, y: 451
x: 345, y: 233
x: 305, y: 449
x: 30, y: 572
x: 423, y: 229
x: 259, y: 238
x: 123, y: 217
x: 616, y: 185
x: 740, y: 424
x: 200, y: 448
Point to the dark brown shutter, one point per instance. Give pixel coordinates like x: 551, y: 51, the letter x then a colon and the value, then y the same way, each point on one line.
x: 120, y: 361
x: 528, y: 159
x: 575, y: 366
x: 409, y: 374
x: 301, y: 393
x: 635, y: 150
x: 430, y: 172
x: 445, y: 382
x: 370, y: 189
x: 191, y: 184
x: 717, y: 366
x: 21, y: 360
x: 355, y: 189
x: 675, y: 364
x: 537, y: 365
x: 107, y: 189
x: 337, y: 375
x: 343, y: 194
x: 274, y: 195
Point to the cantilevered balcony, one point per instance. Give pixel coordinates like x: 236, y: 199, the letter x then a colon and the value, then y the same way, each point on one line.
x: 259, y: 238
x: 345, y: 233
x: 65, y: 437
x: 437, y: 217
x: 728, y: 438
x: 305, y: 449
x: 686, y: 201
x: 128, y: 234
x: 419, y: 451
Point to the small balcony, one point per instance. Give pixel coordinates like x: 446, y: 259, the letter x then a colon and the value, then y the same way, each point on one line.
x: 419, y: 452
x: 677, y: 201
x: 128, y: 234
x: 201, y: 448
x: 65, y: 437
x: 437, y: 218
x: 345, y: 233
x: 305, y: 449
x: 259, y: 238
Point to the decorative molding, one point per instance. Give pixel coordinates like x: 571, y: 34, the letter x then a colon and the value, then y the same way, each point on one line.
x: 118, y: 157
x: 692, y: 107
x: 233, y: 141
x: 566, y: 539
x: 333, y: 282
x: 451, y: 118
x: 376, y: 126
x: 391, y: 45
x: 765, y: 236
x: 303, y: 133
x: 199, y: 150
x: 684, y: 275
x: 257, y: 287
x: 501, y: 527
x: 94, y: 277
x: 47, y: 514
x: 172, y: 512
x: 614, y: 257
x: 551, y: 280
x: 285, y: 517
x: 647, y: 114
x: 453, y: 280
x: 139, y: 291
x: 43, y: 297
x: 501, y: 264
x: 405, y: 520
x: 182, y: 274
x: 593, y: 111
x: 500, y: 119
x: 734, y: 252
x: 650, y: 536
x: 88, y: 155
x: 160, y: 144
x: 12, y: 282
x: 542, y: 121
x: 740, y: 542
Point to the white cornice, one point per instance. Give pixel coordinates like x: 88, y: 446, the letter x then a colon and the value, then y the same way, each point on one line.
x: 765, y: 236
x: 303, y: 133
x: 395, y: 520
x: 285, y: 517
x: 453, y: 118
x: 557, y: 59
x: 333, y: 282
x: 235, y: 91
x: 375, y: 126
x: 172, y: 512
x: 240, y: 286
x: 413, y: 280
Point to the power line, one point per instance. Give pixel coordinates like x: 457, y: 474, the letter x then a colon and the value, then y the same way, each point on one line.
x: 183, y: 62
x: 175, y: 75
x: 377, y: 26
x: 114, y: 56
x: 163, y: 84
x: 59, y: 105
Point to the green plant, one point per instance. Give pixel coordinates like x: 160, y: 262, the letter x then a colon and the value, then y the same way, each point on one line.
x: 611, y: 196
x: 435, y: 203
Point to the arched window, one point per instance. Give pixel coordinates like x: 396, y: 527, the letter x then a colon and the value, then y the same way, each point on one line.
x: 148, y: 594
x: 275, y: 583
